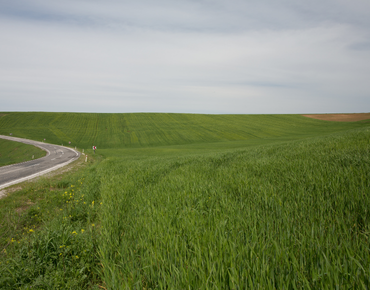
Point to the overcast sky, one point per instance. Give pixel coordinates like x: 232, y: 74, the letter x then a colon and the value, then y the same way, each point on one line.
x: 186, y: 56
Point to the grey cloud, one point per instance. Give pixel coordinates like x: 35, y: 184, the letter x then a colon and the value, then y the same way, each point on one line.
x: 364, y: 45
x: 185, y: 56
x: 217, y: 16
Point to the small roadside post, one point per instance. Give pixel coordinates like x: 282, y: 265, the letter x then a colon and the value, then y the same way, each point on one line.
x: 86, y: 158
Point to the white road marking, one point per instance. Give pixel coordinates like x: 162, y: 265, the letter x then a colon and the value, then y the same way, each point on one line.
x: 10, y: 171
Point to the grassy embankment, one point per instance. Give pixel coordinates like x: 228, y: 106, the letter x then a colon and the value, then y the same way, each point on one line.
x: 47, y: 236
x: 216, y: 202
x: 15, y: 152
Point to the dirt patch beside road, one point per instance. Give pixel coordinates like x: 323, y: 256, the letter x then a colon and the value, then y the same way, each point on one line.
x: 5, y: 191
x: 340, y: 117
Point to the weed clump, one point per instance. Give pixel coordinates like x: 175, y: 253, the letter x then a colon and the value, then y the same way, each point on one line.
x: 55, y: 249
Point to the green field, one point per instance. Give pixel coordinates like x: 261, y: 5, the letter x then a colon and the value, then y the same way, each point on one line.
x: 15, y: 152
x: 180, y: 201
x: 108, y: 131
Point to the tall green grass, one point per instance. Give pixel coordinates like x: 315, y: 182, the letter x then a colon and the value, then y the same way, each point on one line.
x: 288, y: 216
x: 186, y: 201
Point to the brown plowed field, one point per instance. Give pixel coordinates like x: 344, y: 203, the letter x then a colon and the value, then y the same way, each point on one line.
x: 340, y: 117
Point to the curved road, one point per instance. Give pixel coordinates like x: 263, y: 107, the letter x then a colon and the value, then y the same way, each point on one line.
x: 56, y: 157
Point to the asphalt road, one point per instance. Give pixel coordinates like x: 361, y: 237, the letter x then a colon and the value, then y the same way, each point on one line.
x: 57, y: 156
